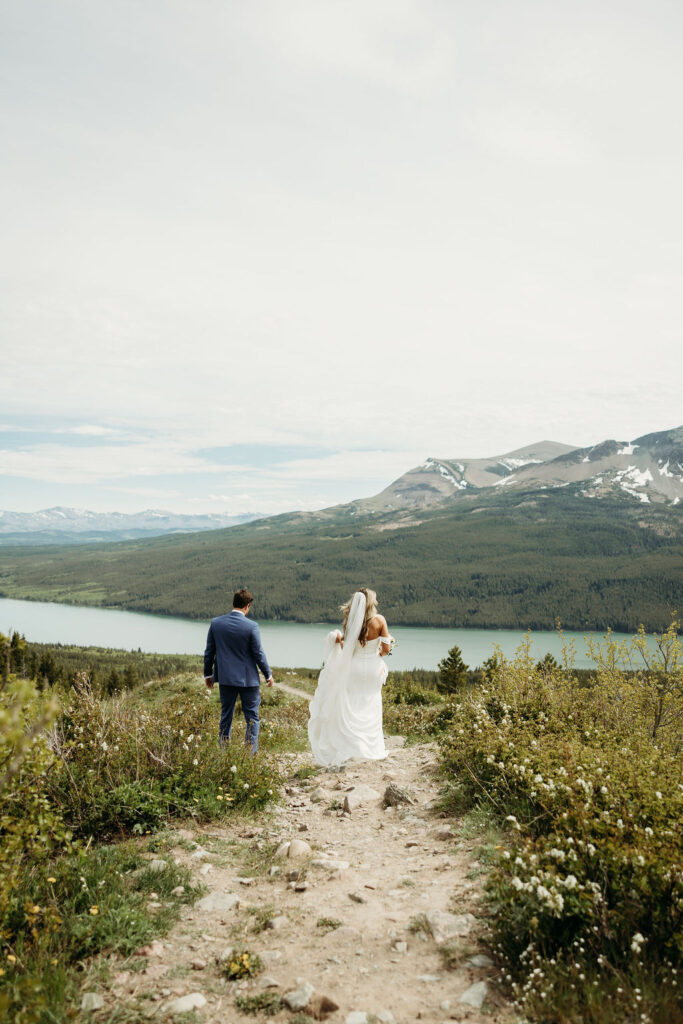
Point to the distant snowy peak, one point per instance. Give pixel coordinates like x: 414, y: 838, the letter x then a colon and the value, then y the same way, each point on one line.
x: 75, y: 521
x: 647, y: 469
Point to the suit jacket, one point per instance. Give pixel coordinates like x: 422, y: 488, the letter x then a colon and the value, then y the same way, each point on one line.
x: 234, y: 653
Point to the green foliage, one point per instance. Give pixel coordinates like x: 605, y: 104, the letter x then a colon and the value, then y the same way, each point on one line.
x: 109, y: 671
x: 328, y: 924
x: 77, y: 906
x: 587, y: 898
x: 547, y: 664
x: 267, y: 1003
x: 31, y: 828
x: 452, y: 672
x: 520, y: 561
x: 123, y: 768
x: 76, y: 768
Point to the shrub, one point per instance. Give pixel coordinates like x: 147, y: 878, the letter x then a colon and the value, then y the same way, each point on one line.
x: 242, y: 964
x: 124, y: 768
x: 31, y: 828
x: 588, y: 896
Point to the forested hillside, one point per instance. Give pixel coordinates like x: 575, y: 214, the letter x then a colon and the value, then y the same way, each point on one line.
x: 516, y: 561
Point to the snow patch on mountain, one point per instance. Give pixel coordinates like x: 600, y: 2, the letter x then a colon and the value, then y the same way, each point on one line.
x: 518, y: 463
x: 631, y: 478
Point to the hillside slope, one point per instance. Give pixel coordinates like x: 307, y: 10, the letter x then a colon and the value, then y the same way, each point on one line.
x: 507, y: 559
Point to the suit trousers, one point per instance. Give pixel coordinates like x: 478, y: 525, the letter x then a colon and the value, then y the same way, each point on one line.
x: 250, y: 698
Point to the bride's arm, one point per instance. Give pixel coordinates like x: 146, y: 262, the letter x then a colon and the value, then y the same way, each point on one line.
x: 385, y: 638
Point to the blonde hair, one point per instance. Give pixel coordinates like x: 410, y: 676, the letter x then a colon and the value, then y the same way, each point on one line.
x: 370, y: 612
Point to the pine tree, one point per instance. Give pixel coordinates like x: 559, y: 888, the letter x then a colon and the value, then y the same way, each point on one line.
x: 130, y: 678
x: 452, y: 672
x: 113, y: 684
x: 548, y: 664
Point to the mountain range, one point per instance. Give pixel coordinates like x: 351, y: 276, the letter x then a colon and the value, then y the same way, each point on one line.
x: 649, y: 469
x: 591, y: 536
x: 61, y: 525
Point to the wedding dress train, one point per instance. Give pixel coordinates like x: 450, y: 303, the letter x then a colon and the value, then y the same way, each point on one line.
x: 346, y: 711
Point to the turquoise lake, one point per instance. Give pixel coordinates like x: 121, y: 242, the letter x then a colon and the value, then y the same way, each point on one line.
x: 287, y: 644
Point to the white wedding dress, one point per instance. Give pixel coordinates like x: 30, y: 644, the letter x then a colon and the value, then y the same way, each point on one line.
x: 346, y: 711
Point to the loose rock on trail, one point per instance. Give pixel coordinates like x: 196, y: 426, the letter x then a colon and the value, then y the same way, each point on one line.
x: 377, y: 914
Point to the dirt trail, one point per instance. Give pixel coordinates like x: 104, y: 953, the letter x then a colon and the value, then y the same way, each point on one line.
x: 293, y: 691
x: 378, y: 873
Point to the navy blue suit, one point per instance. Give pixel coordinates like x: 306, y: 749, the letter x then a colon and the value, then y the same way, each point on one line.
x: 233, y: 656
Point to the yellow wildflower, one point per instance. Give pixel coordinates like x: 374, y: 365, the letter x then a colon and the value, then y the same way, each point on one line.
x: 94, y: 911
x: 52, y: 880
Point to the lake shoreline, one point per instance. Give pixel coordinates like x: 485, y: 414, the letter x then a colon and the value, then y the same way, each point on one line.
x: 170, y: 616
x: 288, y: 644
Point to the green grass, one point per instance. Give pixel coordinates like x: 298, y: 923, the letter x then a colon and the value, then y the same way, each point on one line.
x: 97, y: 905
x: 267, y: 1003
x: 418, y: 924
x: 260, y: 916
x: 328, y: 924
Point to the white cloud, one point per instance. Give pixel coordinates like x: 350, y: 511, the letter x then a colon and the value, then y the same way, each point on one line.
x: 399, y: 225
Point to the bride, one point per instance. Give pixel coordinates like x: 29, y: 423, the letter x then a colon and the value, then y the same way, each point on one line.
x: 346, y: 711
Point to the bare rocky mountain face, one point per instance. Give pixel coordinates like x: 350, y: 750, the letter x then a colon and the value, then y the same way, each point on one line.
x: 648, y: 469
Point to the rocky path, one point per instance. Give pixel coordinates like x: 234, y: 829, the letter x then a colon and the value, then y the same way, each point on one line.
x: 370, y: 912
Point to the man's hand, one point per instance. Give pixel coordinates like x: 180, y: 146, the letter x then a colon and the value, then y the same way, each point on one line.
x: 269, y: 682
x: 209, y: 681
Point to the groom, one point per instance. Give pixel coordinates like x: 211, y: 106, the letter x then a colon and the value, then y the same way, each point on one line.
x: 232, y: 658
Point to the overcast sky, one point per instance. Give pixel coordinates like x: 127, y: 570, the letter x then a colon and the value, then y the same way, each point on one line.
x: 269, y: 254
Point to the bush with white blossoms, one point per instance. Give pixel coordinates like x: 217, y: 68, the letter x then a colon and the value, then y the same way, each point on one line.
x: 588, y: 890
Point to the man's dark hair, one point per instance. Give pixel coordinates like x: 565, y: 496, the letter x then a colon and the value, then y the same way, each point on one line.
x: 242, y: 598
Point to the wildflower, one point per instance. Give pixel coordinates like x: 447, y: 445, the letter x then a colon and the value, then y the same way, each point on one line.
x: 270, y: 792
x: 233, y: 769
x: 246, y: 785
x: 11, y: 957
x: 94, y: 911
x: 195, y: 761
x: 637, y: 942
x: 104, y: 746
x: 658, y: 795
x: 218, y: 796
x: 52, y: 880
